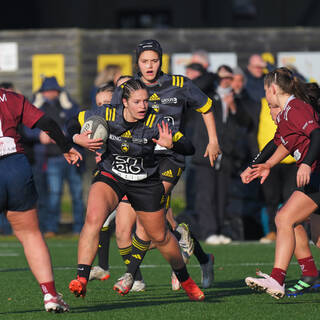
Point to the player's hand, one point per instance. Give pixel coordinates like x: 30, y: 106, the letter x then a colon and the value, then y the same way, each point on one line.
x: 261, y: 171
x: 44, y: 138
x: 246, y: 175
x: 303, y: 175
x: 165, y: 136
x: 212, y: 150
x: 98, y: 156
x: 73, y: 156
x: 83, y: 140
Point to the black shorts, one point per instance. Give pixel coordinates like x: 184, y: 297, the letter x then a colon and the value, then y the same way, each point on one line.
x: 146, y: 195
x: 169, y: 171
x: 312, y: 190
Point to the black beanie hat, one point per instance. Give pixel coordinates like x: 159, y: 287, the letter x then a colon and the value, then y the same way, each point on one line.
x: 145, y: 45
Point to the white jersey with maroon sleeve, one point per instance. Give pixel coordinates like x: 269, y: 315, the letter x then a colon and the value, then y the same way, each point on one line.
x: 15, y: 109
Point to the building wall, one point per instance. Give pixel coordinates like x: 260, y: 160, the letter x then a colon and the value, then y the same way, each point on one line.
x: 81, y: 48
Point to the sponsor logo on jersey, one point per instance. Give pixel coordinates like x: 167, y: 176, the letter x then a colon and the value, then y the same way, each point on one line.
x: 115, y: 138
x: 168, y: 173
x: 4, y: 98
x: 297, y: 154
x: 173, y: 100
x: 154, y: 97
x: 140, y: 141
x: 124, y: 147
x: 127, y: 134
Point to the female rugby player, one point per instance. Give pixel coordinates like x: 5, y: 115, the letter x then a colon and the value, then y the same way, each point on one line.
x: 170, y: 95
x: 298, y: 133
x: 128, y: 167
x: 18, y: 195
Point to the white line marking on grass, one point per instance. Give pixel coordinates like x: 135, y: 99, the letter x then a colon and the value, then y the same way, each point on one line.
x: 9, y: 254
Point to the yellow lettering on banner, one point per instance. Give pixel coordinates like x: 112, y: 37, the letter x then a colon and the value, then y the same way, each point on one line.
x: 123, y: 60
x: 47, y: 65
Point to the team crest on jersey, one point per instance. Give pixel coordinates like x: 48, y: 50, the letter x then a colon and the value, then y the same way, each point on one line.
x: 127, y: 134
x: 154, y: 97
x: 124, y: 147
x: 155, y: 107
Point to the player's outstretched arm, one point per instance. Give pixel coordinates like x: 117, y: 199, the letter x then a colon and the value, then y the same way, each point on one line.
x: 178, y: 143
x: 213, y: 148
x: 51, y: 128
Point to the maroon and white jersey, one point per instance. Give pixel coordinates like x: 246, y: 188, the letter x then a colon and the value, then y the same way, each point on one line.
x: 14, y: 110
x: 295, y: 123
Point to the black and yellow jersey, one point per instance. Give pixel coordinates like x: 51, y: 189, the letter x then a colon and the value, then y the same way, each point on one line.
x: 129, y: 149
x: 170, y: 97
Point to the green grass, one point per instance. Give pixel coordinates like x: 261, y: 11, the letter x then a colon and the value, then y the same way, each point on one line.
x: 20, y: 296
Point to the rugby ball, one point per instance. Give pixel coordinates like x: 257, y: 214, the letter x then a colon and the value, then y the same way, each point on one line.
x: 98, y: 126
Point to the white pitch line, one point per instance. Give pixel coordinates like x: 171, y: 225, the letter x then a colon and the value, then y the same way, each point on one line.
x: 9, y: 254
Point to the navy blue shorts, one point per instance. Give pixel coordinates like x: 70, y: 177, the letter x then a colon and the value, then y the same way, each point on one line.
x: 17, y: 189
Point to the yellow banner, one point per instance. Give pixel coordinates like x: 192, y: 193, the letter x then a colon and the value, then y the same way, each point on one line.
x: 165, y: 63
x: 123, y: 60
x: 47, y: 65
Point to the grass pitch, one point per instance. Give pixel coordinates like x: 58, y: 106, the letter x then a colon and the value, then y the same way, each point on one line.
x: 21, y: 298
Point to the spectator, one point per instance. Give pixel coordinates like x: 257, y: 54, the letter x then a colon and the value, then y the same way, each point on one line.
x: 55, y: 102
x: 108, y: 76
x: 255, y: 75
x: 212, y: 183
x: 198, y: 73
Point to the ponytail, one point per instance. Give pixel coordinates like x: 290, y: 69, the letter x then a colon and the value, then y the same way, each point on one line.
x: 288, y: 83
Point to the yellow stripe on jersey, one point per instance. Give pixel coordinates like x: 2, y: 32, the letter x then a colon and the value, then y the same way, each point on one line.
x: 177, y: 81
x: 81, y: 117
x: 148, y: 120
x: 177, y: 136
x: 152, y: 120
x: 107, y: 114
x: 114, y: 114
x: 206, y: 107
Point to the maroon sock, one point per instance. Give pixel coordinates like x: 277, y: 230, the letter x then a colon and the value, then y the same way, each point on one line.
x: 48, y: 287
x: 308, y: 267
x: 279, y: 275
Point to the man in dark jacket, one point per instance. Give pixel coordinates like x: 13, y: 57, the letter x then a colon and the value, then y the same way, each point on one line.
x: 212, y: 183
x: 55, y: 102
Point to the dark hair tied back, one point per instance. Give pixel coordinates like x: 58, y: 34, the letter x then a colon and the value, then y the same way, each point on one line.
x: 131, y: 86
x: 287, y: 82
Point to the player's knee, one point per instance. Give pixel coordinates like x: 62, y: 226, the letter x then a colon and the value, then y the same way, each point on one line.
x: 123, y: 234
x: 161, y: 238
x: 282, y: 220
